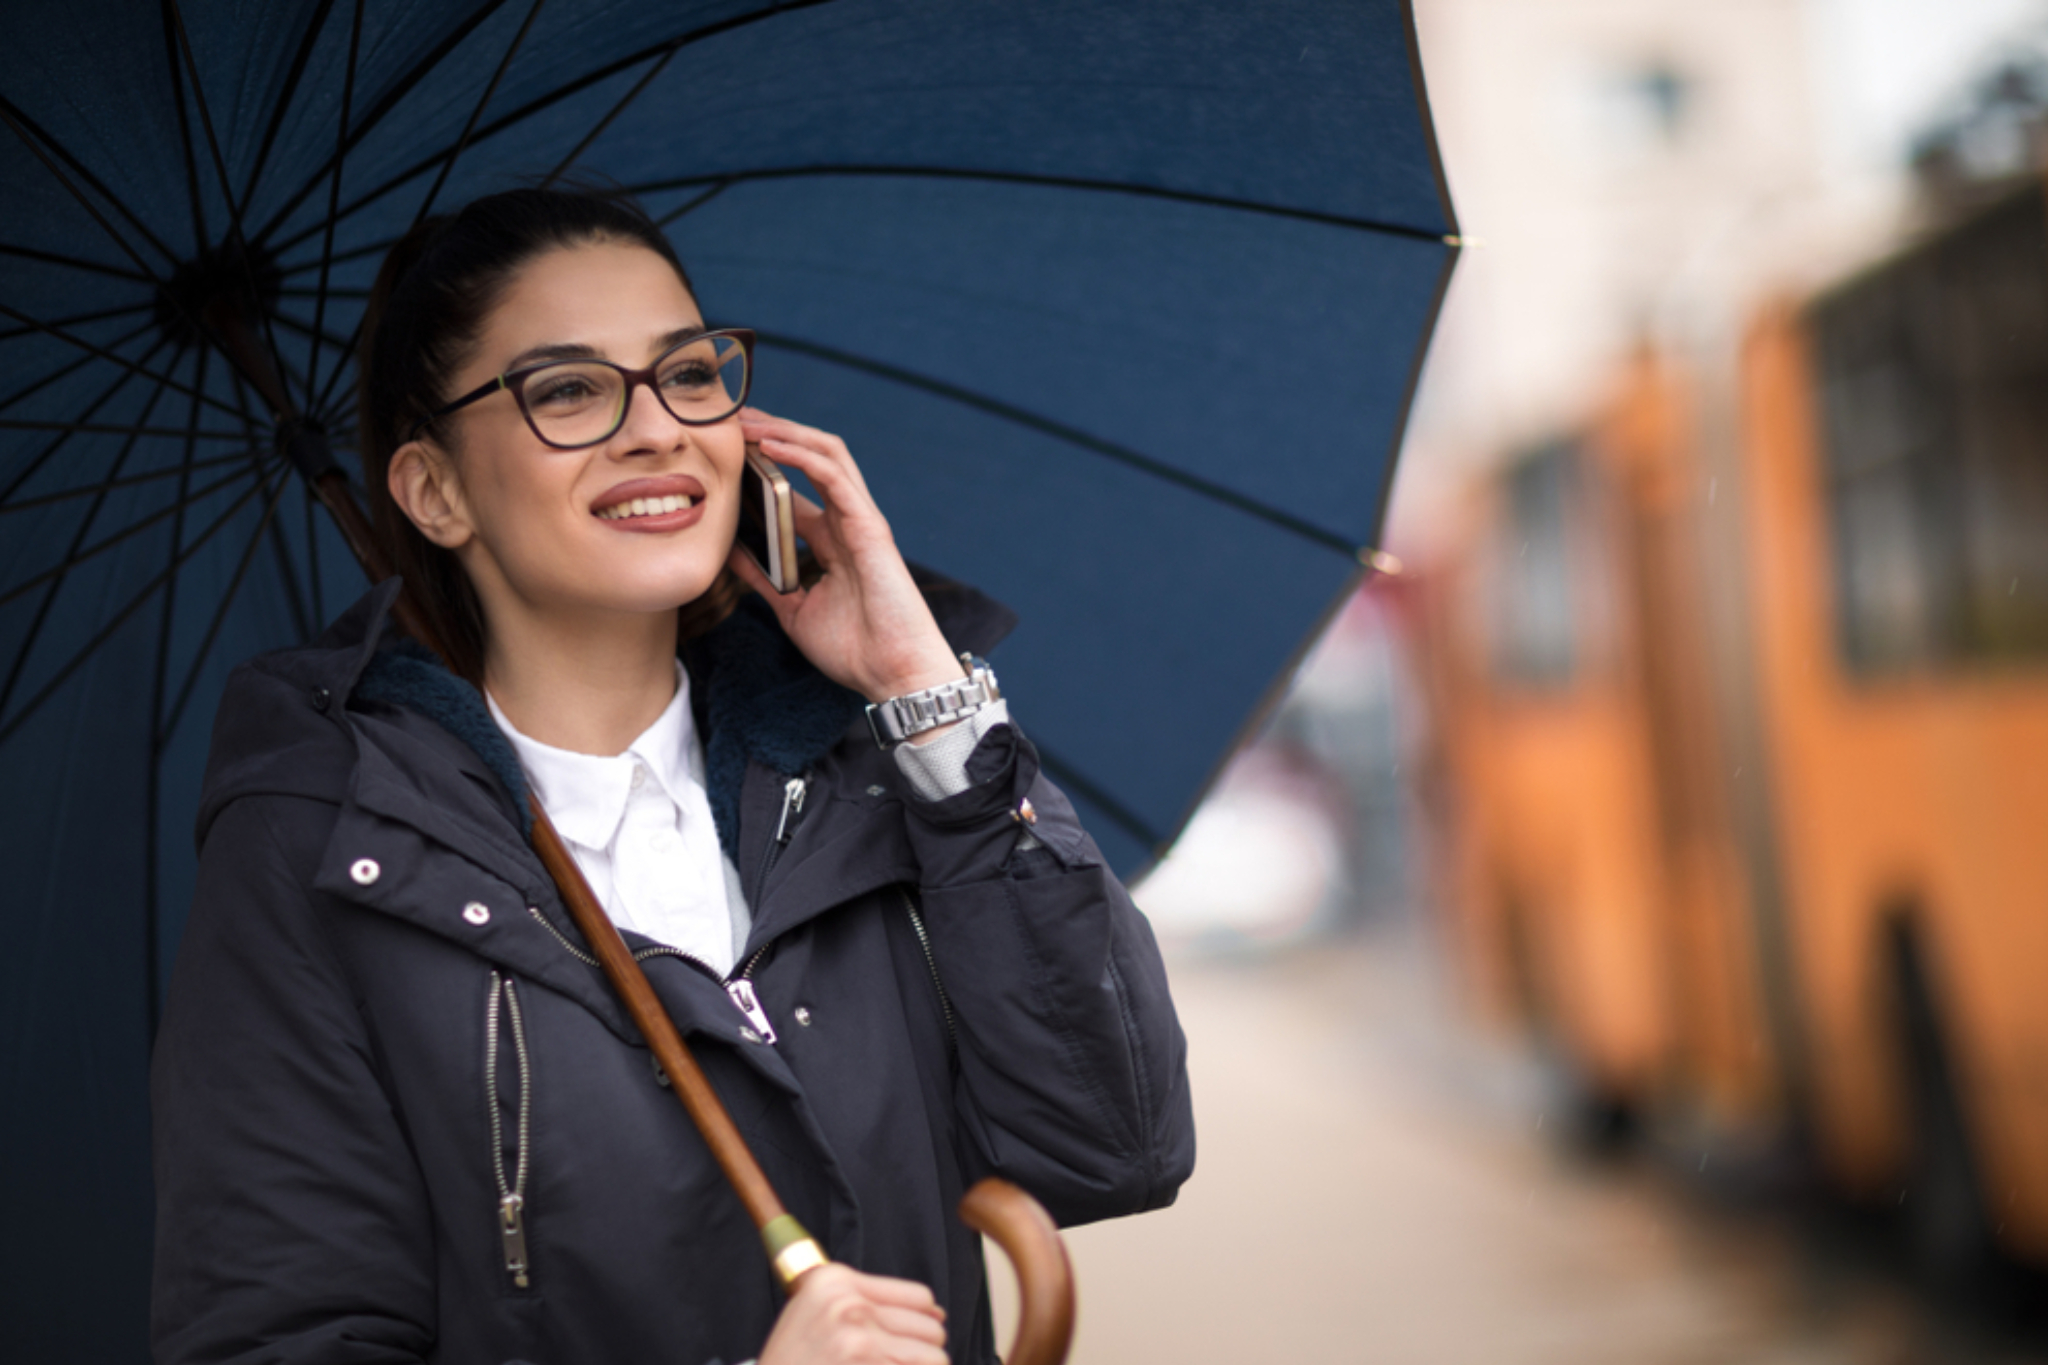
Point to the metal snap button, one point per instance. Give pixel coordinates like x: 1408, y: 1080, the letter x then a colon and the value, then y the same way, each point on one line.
x: 365, y: 871
x: 321, y: 696
x: 750, y: 1035
x: 877, y: 790
x: 476, y: 912
x: 803, y: 1015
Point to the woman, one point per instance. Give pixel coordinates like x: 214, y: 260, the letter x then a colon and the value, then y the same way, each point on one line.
x: 399, y: 1115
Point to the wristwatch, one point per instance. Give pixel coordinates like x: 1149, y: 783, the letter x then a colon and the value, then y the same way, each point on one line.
x: 913, y: 713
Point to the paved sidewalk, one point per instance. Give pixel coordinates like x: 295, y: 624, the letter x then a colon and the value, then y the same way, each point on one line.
x: 1371, y: 1188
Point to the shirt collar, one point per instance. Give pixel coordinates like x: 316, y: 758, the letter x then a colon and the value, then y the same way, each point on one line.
x: 585, y: 795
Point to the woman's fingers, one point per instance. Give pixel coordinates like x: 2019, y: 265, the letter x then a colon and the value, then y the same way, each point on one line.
x: 839, y: 1316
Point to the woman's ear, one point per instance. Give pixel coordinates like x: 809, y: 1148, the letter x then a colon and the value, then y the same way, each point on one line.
x: 423, y: 483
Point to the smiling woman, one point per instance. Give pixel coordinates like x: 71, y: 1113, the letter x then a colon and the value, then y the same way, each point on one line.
x: 395, y: 1102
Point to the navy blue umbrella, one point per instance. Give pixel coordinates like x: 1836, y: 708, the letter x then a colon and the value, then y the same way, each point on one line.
x: 1120, y: 306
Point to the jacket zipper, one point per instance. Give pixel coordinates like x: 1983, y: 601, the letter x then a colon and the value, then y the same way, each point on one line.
x: 511, y: 1193
x: 740, y: 984
x: 924, y: 941
x: 785, y: 825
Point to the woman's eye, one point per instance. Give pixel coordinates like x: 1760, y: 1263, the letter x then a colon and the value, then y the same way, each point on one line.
x: 692, y: 374
x: 557, y: 391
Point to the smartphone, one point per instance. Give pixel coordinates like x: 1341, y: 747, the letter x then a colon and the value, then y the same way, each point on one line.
x: 767, y: 519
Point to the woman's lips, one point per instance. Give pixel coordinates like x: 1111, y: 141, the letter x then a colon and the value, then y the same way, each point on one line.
x: 664, y: 504
x: 648, y: 507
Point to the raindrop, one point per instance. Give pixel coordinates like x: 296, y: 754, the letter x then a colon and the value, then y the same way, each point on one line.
x: 1703, y: 1161
x: 1539, y: 1123
x: 1713, y: 486
x: 1525, y: 549
x: 2012, y: 587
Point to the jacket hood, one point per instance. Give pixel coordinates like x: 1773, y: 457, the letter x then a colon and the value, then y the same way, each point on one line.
x: 282, y: 726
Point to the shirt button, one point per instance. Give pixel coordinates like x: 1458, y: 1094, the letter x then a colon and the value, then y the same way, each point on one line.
x: 365, y: 871
x: 639, y: 776
x: 476, y: 912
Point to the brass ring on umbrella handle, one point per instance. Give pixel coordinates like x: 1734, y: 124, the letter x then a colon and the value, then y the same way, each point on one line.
x: 1045, y: 1280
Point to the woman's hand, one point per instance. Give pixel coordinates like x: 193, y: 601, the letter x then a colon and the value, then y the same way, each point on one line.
x: 839, y: 1316
x: 864, y: 624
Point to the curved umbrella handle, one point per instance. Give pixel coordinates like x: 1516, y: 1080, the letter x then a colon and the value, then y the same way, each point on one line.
x: 1045, y: 1281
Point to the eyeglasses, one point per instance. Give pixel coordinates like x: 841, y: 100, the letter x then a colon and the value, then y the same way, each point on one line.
x: 575, y: 403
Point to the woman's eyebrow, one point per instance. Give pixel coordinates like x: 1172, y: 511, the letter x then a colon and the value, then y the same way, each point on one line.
x: 576, y: 350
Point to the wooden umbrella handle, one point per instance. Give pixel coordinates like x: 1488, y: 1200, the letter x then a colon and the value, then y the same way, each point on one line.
x: 1045, y: 1279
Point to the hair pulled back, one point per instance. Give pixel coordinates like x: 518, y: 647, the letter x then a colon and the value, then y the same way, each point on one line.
x: 432, y: 297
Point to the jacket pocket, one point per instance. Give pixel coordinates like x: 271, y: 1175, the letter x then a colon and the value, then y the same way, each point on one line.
x: 503, y: 1020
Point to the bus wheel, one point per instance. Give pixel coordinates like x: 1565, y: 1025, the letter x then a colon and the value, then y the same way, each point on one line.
x: 1954, y: 1252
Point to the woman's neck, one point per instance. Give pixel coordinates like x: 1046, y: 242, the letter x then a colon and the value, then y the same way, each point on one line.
x: 591, y: 686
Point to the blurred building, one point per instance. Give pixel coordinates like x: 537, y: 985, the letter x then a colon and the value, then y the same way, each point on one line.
x: 1728, y: 497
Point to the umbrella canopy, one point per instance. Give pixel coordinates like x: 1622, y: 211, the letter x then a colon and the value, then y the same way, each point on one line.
x: 1120, y: 306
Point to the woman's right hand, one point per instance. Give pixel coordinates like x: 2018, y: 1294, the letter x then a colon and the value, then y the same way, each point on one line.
x: 838, y: 1316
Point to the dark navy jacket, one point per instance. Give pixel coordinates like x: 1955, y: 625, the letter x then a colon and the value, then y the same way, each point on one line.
x: 382, y: 1021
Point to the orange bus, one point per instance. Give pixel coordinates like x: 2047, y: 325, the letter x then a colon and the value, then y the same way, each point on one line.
x: 1743, y: 711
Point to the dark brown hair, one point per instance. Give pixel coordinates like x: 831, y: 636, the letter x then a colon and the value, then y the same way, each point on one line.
x: 436, y: 289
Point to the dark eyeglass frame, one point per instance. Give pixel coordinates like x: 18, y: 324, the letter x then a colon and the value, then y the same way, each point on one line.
x: 514, y: 382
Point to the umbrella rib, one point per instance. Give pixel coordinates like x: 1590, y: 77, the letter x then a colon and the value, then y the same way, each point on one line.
x: 227, y: 599
x: 76, y: 556
x: 29, y: 253
x: 105, y: 354
x: 200, y: 235
x: 300, y: 59
x: 35, y: 147
x: 400, y: 89
x: 1049, y: 182
x: 227, y: 190
x: 692, y: 205
x: 42, y: 382
x: 306, y: 329
x: 127, y: 481
x: 597, y: 130
x: 35, y: 465
x: 469, y: 127
x: 530, y: 108
x: 78, y: 319
x: 447, y: 168
x: 1118, y: 814
x: 24, y: 125
x: 56, y: 576
x: 115, y: 429
x: 1123, y: 455
x: 348, y: 96
x: 120, y: 618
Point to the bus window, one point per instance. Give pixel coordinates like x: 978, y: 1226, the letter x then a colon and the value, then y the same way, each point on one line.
x: 1934, y: 405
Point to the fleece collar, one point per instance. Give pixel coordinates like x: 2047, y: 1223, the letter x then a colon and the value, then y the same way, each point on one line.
x: 754, y: 696
x: 758, y: 699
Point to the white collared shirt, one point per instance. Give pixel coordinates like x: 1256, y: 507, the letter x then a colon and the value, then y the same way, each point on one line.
x: 639, y: 823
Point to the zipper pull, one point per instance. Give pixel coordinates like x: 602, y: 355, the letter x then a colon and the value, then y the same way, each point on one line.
x: 742, y: 993
x: 512, y: 1227
x: 792, y: 805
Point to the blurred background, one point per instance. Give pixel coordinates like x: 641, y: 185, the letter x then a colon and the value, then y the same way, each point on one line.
x: 1629, y: 942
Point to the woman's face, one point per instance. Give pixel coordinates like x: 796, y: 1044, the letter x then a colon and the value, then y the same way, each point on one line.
x: 541, y: 530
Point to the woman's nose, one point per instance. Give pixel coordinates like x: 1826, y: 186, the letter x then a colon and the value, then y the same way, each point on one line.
x: 648, y: 425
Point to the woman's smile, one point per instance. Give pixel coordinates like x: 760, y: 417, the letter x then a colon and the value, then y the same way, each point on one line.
x: 638, y: 523
x: 652, y: 505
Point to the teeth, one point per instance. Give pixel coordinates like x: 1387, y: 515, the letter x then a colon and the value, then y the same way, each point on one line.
x: 647, y: 507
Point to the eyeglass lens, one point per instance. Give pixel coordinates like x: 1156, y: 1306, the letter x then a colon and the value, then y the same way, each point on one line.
x: 582, y: 402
